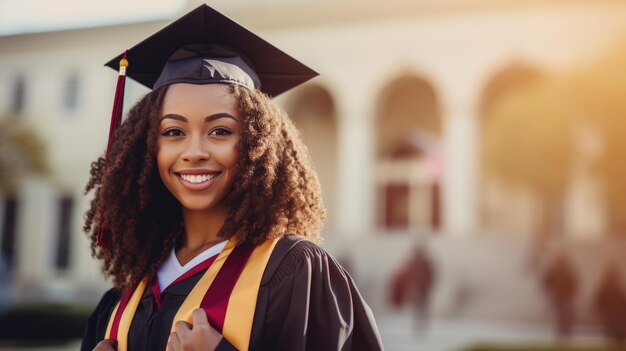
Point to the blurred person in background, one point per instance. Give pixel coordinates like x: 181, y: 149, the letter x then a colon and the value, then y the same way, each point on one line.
x: 560, y: 285
x: 205, y: 202
x: 422, y: 279
x: 399, y: 287
x: 610, y: 304
x: 413, y: 284
x: 4, y: 287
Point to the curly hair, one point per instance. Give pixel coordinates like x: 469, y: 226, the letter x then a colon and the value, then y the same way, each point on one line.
x: 276, y: 191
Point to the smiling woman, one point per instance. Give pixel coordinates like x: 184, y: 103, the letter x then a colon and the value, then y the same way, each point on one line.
x: 210, y: 208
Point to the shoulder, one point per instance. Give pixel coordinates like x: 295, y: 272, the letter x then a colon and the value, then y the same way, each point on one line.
x: 293, y: 249
x: 106, y: 304
x: 293, y: 255
x: 298, y: 246
x: 99, y: 319
x: 108, y: 301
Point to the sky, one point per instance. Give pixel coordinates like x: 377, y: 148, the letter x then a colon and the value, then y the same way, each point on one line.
x: 28, y: 16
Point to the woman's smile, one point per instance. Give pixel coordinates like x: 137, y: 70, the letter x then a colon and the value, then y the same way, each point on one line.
x: 197, y: 180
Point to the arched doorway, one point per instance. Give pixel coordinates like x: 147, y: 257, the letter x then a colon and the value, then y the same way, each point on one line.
x: 498, y: 198
x: 409, y: 162
x: 313, y: 112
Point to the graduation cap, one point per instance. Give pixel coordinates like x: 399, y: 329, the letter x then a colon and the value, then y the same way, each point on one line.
x: 204, y: 47
x: 277, y: 71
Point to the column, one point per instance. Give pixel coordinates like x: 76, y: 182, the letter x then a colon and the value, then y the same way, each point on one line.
x: 34, y: 251
x: 355, y: 148
x: 460, y: 137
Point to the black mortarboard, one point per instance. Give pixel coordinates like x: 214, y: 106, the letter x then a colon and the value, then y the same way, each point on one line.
x: 204, y: 47
x: 277, y: 72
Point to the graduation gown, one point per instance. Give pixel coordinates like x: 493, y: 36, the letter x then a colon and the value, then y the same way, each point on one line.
x: 306, y: 300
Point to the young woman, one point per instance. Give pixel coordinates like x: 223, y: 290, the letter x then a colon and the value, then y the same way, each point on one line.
x: 210, y: 208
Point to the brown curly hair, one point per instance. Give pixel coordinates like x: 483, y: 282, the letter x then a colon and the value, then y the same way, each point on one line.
x: 275, y: 192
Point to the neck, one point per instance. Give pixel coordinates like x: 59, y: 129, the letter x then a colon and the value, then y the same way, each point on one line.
x: 202, y: 227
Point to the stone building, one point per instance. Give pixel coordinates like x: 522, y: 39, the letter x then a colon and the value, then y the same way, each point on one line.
x: 393, y: 124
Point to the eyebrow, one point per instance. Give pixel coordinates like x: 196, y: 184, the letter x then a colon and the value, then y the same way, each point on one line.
x: 207, y: 119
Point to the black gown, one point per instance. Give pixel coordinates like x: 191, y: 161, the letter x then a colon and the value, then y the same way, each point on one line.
x: 306, y: 301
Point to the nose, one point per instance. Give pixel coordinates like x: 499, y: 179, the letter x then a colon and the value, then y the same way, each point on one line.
x: 196, y: 150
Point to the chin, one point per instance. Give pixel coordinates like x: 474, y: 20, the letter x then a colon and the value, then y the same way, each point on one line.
x: 198, y: 204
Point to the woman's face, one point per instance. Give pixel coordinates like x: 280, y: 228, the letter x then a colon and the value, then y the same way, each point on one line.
x: 199, y: 129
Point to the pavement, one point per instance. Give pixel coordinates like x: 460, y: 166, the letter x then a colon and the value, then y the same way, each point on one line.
x: 399, y: 333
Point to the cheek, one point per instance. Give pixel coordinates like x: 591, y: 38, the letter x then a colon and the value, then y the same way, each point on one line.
x: 230, y: 155
x: 164, y: 160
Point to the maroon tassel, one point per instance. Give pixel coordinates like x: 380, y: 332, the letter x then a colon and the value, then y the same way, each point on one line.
x: 116, y: 119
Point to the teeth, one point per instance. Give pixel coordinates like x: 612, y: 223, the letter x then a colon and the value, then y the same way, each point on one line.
x: 195, y: 179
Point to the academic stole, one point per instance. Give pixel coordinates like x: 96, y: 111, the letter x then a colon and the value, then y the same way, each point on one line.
x: 229, y: 304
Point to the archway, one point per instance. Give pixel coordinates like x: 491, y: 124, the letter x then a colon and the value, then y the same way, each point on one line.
x: 498, y: 198
x: 313, y: 112
x: 409, y: 158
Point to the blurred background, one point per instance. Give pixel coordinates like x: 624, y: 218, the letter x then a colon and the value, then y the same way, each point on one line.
x: 471, y: 155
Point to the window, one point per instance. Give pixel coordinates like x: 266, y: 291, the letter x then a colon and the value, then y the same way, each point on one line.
x: 63, y: 244
x: 18, y: 97
x: 72, y: 85
x: 408, y: 195
x: 396, y: 211
x: 7, y: 241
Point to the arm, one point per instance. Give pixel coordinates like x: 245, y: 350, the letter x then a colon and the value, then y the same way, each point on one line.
x: 314, y: 304
x: 99, y: 319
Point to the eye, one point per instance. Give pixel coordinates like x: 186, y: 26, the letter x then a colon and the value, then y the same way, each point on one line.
x: 173, y: 132
x: 221, y: 131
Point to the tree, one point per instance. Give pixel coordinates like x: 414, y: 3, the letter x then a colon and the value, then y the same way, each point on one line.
x: 22, y: 151
x: 528, y: 142
x: 599, y: 91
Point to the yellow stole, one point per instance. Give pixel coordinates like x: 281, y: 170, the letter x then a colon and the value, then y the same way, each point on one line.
x: 241, y: 304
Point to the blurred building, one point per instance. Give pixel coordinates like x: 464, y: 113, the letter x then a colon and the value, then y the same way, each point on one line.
x: 394, y: 125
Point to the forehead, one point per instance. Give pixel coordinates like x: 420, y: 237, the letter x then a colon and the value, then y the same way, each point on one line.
x: 204, y: 99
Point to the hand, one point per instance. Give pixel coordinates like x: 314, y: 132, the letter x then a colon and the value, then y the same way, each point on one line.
x: 199, y: 336
x: 106, y: 345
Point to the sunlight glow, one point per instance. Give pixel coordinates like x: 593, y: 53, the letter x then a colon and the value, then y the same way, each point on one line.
x: 27, y: 16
